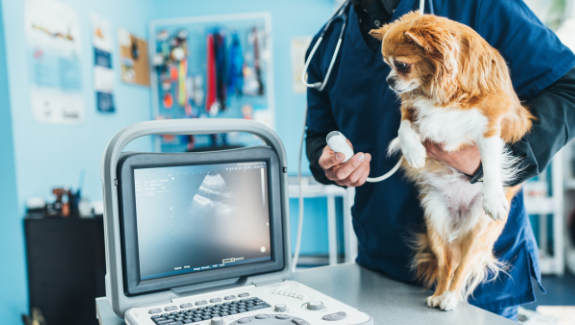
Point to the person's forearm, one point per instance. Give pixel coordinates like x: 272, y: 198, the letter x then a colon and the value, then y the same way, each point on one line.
x: 314, y: 143
x: 554, y: 109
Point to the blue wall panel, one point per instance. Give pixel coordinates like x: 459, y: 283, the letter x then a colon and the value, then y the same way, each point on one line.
x: 13, y: 300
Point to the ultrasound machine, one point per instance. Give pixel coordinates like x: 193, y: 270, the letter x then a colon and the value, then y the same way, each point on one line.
x: 203, y: 238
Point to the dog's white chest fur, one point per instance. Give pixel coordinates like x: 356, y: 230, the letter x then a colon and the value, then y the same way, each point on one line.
x: 451, y: 127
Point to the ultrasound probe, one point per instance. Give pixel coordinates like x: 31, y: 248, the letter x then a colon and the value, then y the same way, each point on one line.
x: 337, y: 142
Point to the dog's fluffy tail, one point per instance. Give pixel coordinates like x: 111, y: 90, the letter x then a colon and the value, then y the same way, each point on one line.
x: 485, y: 267
x: 424, y: 262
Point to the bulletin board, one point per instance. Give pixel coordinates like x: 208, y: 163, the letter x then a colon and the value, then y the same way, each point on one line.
x: 212, y: 67
x: 133, y: 59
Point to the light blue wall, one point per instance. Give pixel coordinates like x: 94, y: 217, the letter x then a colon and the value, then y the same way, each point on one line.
x: 49, y: 155
x: 12, y: 276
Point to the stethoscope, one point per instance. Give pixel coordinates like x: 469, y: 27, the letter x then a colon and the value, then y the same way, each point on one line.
x: 340, y: 14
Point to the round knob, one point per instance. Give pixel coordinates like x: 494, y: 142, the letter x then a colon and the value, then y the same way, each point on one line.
x: 280, y: 308
x: 217, y: 321
x: 315, y: 305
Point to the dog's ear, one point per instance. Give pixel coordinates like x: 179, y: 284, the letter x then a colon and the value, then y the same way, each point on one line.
x: 433, y: 37
x: 380, y: 32
x: 440, y: 41
x: 419, y: 38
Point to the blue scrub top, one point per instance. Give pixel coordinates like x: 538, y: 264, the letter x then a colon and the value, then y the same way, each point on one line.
x: 358, y: 102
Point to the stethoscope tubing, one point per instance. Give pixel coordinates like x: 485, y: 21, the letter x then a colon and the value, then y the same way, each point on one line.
x: 340, y: 14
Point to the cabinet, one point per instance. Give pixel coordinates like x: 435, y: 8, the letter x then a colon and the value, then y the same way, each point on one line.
x: 66, y: 267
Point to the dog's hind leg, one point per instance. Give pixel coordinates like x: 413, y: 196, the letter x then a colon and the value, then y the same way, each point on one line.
x: 445, y: 265
x: 448, y: 299
x: 476, y: 260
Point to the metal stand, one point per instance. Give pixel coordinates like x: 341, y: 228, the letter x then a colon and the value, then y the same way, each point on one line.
x: 312, y: 189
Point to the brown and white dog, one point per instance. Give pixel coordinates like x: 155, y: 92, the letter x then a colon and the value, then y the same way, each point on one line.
x: 455, y: 90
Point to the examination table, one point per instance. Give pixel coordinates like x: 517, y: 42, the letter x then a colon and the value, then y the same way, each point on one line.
x: 386, y: 300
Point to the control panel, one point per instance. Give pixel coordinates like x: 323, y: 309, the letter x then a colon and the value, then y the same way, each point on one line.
x: 287, y: 303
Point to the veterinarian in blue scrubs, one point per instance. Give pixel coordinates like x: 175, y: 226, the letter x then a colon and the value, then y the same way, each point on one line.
x: 358, y: 102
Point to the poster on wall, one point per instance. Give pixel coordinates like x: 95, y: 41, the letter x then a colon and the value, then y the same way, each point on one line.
x: 299, y: 46
x: 212, y: 67
x: 133, y: 58
x: 103, y: 70
x: 53, y: 52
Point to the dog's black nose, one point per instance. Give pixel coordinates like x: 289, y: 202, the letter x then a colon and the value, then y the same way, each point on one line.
x: 391, y: 80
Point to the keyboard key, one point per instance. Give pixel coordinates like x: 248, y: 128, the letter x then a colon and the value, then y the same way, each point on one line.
x: 201, y: 303
x: 262, y: 316
x: 245, y: 294
x: 186, y: 305
x: 197, y: 319
x: 258, y: 307
x: 282, y: 316
x: 163, y: 322
x: 215, y: 300
x: 335, y: 316
x: 170, y: 308
x: 232, y: 297
x: 158, y: 318
x: 155, y: 311
x: 244, y: 320
x: 299, y: 321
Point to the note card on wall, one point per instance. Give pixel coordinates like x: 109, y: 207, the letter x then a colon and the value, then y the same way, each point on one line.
x: 103, y: 66
x: 53, y: 54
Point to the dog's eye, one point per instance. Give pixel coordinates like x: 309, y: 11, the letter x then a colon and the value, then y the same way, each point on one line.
x: 401, y: 66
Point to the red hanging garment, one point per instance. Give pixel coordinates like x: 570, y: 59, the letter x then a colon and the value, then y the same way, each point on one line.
x: 211, y: 74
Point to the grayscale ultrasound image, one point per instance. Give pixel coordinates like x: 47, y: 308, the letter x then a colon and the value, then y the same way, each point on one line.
x: 194, y: 218
x: 213, y: 198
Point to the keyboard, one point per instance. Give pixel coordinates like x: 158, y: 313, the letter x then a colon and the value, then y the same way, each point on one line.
x: 186, y: 315
x: 287, y: 302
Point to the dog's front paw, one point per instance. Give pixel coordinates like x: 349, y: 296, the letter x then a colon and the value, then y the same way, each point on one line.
x: 415, y: 155
x: 447, y: 301
x: 432, y: 301
x: 495, y: 204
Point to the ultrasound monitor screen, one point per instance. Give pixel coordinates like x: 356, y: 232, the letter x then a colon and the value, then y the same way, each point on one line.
x: 201, y: 217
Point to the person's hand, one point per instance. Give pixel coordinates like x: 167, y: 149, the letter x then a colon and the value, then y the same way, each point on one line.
x: 352, y: 173
x: 467, y: 160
